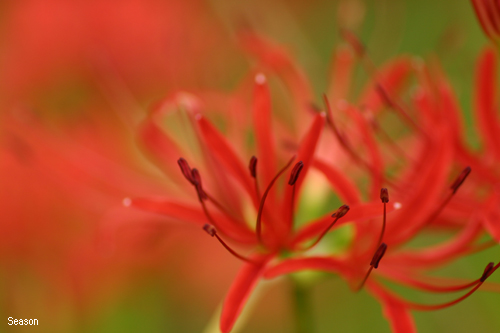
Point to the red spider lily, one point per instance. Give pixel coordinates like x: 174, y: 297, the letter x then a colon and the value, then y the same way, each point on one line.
x: 225, y: 187
x: 424, y: 202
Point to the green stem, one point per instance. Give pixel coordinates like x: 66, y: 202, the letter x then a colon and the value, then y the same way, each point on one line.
x: 303, y: 308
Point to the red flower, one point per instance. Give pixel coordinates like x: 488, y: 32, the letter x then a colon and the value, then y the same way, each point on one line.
x: 225, y: 188
x: 466, y: 213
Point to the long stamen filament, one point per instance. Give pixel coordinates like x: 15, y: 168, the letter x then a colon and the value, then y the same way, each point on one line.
x: 258, y: 227
x: 337, y: 215
x: 490, y: 269
x: 213, y: 232
x: 425, y: 286
x: 454, y: 188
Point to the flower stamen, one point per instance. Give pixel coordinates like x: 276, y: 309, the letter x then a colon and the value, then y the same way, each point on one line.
x: 294, y: 175
x: 454, y: 188
x: 213, y: 232
x: 258, y: 227
x: 377, y: 256
x: 345, y: 143
x: 337, y: 215
x: 489, y: 269
x: 252, y: 166
x: 384, y: 196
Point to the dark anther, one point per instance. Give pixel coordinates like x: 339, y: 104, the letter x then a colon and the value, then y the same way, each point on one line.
x: 209, y: 229
x: 460, y: 179
x: 197, y: 183
x: 487, y: 271
x: 378, y: 255
x: 384, y: 195
x: 294, y: 175
x: 253, y: 166
x: 186, y: 170
x: 341, y: 211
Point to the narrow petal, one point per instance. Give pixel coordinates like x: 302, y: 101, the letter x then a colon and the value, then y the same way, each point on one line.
x: 376, y: 164
x: 492, y: 216
x: 240, y: 291
x: 193, y: 214
x: 486, y: 102
x: 305, y: 154
x: 428, y: 182
x: 221, y: 148
x: 392, y: 77
x: 324, y: 264
x: 341, y: 74
x: 395, y: 311
x: 278, y: 60
x: 438, y: 254
x: 266, y: 147
x: 357, y: 212
x: 342, y: 185
x: 161, y: 149
x: 451, y: 109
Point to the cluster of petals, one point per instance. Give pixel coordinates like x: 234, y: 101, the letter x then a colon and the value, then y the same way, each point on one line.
x: 253, y: 205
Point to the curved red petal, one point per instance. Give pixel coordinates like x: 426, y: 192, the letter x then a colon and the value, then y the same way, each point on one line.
x: 342, y: 185
x: 437, y: 254
x: 395, y: 311
x: 357, y: 212
x: 341, y: 73
x: 193, y: 214
x: 305, y: 154
x: 392, y: 77
x: 222, y: 150
x: 266, y: 147
x: 428, y: 180
x: 240, y: 291
x: 280, y: 62
x: 161, y: 149
x: 486, y: 101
